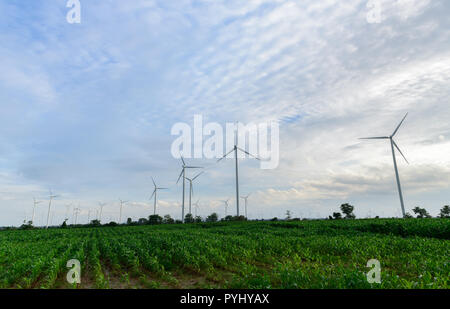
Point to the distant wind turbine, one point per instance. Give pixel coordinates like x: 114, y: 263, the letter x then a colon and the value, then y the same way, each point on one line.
x: 226, y: 206
x: 35, y: 203
x: 121, y: 205
x: 245, y: 198
x: 51, y: 196
x: 101, y: 211
x: 235, y: 149
x: 183, y: 173
x: 76, y: 211
x: 154, y: 194
x: 196, y: 207
x: 191, y: 190
x: 393, y: 144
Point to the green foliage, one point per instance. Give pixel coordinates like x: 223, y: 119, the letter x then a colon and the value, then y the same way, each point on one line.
x: 347, y: 210
x: 337, y: 215
x: 212, y: 217
x: 445, y: 212
x: 155, y: 219
x: 421, y: 212
x: 279, y: 254
x: 168, y: 220
x: 188, y: 218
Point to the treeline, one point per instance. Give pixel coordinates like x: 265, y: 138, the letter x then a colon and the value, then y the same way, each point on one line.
x: 347, y: 213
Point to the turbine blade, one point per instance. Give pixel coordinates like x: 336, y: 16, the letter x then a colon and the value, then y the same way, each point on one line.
x: 197, y: 175
x: 398, y: 148
x: 154, y: 182
x: 152, y: 194
x: 248, y: 153
x: 193, y: 167
x: 182, y: 160
x: 162, y: 188
x: 380, y: 137
x: 181, y: 174
x: 225, y: 155
x: 398, y: 127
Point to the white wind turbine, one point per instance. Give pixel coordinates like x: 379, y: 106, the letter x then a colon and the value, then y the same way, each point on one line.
x: 183, y: 173
x: 226, y: 206
x: 76, y: 212
x: 235, y: 149
x: 155, y: 191
x: 245, y: 198
x: 101, y: 205
x: 196, y: 205
x: 121, y: 205
x: 51, y: 196
x: 191, y: 190
x: 393, y: 144
x: 35, y: 203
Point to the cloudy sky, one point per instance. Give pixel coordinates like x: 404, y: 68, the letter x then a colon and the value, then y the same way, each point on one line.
x: 87, y: 109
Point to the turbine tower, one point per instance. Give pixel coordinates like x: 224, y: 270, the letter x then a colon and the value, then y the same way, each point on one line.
x: 51, y: 196
x: 183, y: 173
x: 121, y: 205
x: 191, y: 190
x: 245, y: 198
x: 154, y: 194
x: 235, y: 149
x: 393, y: 144
x: 34, y: 207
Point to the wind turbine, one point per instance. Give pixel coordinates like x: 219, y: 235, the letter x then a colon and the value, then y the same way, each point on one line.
x: 196, y: 207
x: 393, y: 144
x: 154, y: 194
x: 235, y: 149
x: 183, y: 173
x: 245, y: 199
x: 67, y: 211
x: 76, y: 211
x: 121, y: 205
x: 101, y: 210
x: 34, y: 207
x: 226, y: 206
x: 89, y: 216
x: 191, y: 190
x: 51, y: 196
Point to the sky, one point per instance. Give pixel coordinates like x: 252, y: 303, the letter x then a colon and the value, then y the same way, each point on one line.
x: 87, y: 108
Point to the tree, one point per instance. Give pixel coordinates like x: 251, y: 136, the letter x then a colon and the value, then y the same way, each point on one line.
x: 408, y: 216
x: 228, y: 218
x: 168, y: 220
x: 212, y: 217
x: 288, y: 215
x: 421, y: 212
x: 64, y: 224
x: 445, y: 212
x: 154, y: 219
x: 189, y: 218
x: 129, y: 221
x: 337, y: 215
x: 198, y: 219
x: 142, y: 221
x: 95, y: 223
x: 347, y: 209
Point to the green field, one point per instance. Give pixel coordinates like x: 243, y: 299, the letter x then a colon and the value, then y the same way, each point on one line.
x: 414, y: 253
